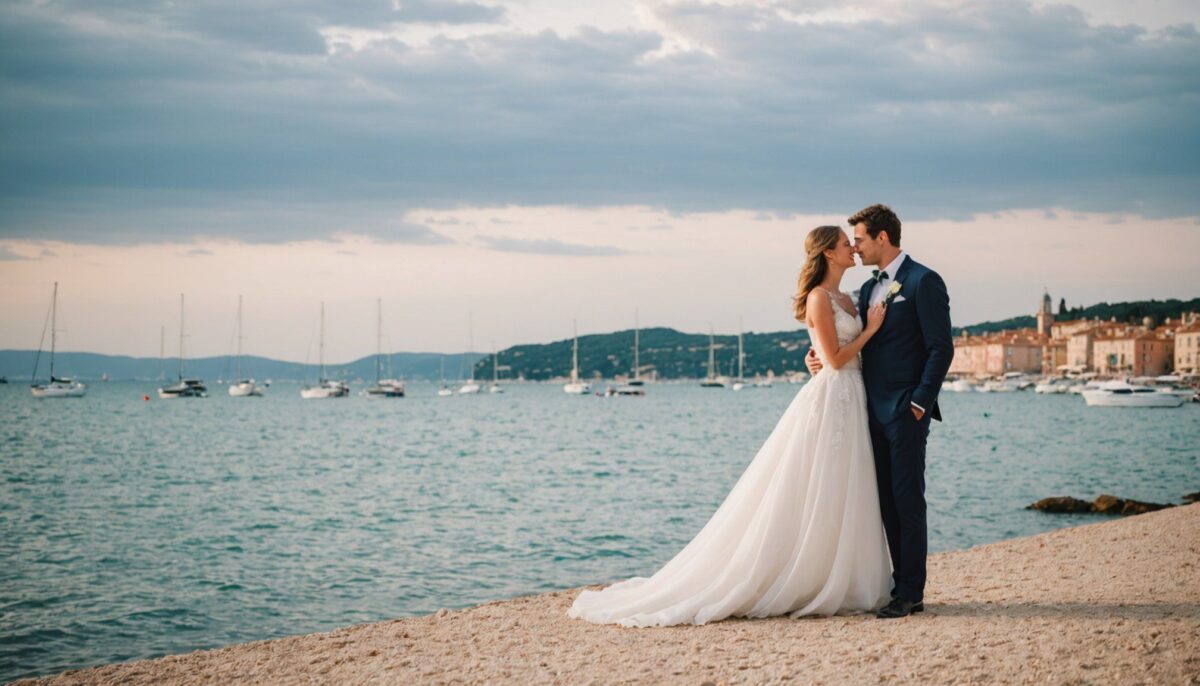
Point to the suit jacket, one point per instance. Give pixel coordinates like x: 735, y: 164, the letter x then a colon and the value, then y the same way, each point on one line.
x: 907, y: 360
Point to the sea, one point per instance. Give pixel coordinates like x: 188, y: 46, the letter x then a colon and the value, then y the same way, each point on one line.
x: 133, y: 528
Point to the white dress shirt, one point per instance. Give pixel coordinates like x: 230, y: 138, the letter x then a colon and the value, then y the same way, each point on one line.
x: 879, y: 292
x: 881, y: 288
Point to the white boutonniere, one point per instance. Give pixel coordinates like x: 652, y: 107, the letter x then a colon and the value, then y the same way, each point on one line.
x: 893, y: 292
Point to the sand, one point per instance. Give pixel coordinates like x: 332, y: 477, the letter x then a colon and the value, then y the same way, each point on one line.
x: 1112, y: 602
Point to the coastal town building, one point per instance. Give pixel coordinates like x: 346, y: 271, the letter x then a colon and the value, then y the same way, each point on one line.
x: 998, y: 354
x: 1107, y: 348
x: 1132, y: 352
x: 1187, y: 348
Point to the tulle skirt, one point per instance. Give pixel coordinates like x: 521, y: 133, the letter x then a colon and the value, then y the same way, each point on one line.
x: 800, y: 532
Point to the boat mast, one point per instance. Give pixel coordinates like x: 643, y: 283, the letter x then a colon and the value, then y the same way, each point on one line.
x: 712, y: 354
x: 637, y: 331
x: 239, y: 340
x: 321, y: 344
x: 575, y: 352
x: 741, y: 354
x: 471, y: 341
x: 495, y: 366
x: 162, y: 351
x: 181, y: 337
x: 53, y: 328
x: 378, y: 340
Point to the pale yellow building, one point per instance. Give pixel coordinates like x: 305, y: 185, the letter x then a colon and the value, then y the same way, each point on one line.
x: 997, y: 354
x: 1109, y: 348
x: 1136, y: 353
x: 1079, y: 349
x: 1054, y: 356
x: 1187, y: 349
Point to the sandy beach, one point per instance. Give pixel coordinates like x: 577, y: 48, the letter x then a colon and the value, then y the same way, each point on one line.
x: 1113, y: 602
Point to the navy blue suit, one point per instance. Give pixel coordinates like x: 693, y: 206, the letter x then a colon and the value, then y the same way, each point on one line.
x: 904, y: 363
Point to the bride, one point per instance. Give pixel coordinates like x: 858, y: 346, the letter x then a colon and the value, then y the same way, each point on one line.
x: 800, y: 533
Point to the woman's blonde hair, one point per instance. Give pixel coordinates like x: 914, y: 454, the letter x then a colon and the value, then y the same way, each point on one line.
x: 815, y: 266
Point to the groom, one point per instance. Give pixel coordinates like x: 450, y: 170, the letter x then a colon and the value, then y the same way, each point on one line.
x: 903, y: 367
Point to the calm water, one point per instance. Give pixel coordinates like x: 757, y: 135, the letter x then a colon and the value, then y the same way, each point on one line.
x: 133, y: 529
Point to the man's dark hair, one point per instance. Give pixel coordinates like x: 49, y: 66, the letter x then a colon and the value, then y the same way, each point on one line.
x: 878, y: 218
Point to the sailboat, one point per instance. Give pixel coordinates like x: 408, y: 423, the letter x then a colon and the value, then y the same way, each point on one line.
x: 56, y: 387
x: 325, y: 388
x: 576, y: 386
x: 740, y: 383
x: 713, y: 380
x: 470, y: 387
x: 495, y: 387
x: 242, y: 387
x: 634, y: 386
x: 636, y: 381
x: 383, y: 388
x: 445, y: 391
x: 183, y: 388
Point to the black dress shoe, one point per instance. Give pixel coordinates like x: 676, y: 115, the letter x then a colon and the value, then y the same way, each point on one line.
x: 899, y: 608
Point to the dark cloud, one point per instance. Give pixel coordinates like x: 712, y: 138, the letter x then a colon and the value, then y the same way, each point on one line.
x: 548, y: 247
x: 285, y: 26
x: 147, y: 121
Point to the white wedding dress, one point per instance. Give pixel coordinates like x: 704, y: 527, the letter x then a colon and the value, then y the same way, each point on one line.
x: 800, y: 532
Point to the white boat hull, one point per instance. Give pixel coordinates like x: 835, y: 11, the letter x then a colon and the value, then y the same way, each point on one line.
x: 245, y: 389
x: 329, y: 389
x: 59, y: 390
x: 1103, y: 399
x: 1120, y: 394
x: 385, y: 389
x: 188, y: 388
x: 576, y: 388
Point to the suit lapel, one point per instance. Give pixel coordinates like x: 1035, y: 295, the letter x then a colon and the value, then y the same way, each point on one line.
x: 864, y: 297
x: 903, y: 271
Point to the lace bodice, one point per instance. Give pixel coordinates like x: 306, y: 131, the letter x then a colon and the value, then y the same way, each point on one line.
x: 848, y: 328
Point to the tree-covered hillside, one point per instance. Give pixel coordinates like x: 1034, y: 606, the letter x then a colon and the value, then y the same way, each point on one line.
x: 1130, y: 312
x: 666, y: 352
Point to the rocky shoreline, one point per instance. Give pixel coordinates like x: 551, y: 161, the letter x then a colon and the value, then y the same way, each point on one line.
x: 1112, y: 602
x: 1104, y: 504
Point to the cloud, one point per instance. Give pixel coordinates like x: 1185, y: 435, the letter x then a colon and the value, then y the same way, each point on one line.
x: 409, y: 232
x: 152, y: 121
x: 198, y: 252
x: 548, y: 246
x: 7, y: 255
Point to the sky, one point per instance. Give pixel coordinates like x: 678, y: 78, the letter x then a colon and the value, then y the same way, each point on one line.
x: 523, y: 164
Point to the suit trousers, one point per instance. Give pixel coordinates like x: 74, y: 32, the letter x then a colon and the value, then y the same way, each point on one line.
x: 899, y: 447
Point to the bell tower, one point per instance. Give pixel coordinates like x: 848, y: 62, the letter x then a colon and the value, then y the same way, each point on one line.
x: 1045, y: 316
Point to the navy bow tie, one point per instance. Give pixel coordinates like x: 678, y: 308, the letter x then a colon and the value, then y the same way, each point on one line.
x: 879, y: 276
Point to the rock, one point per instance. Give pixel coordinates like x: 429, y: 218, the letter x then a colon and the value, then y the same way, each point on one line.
x: 1063, y: 504
x: 1105, y: 504
x: 1135, y: 507
x: 1110, y: 504
x: 1192, y: 497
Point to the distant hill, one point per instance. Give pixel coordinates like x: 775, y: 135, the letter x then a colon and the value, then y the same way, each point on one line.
x: 668, y: 353
x: 1130, y: 312
x: 18, y: 364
